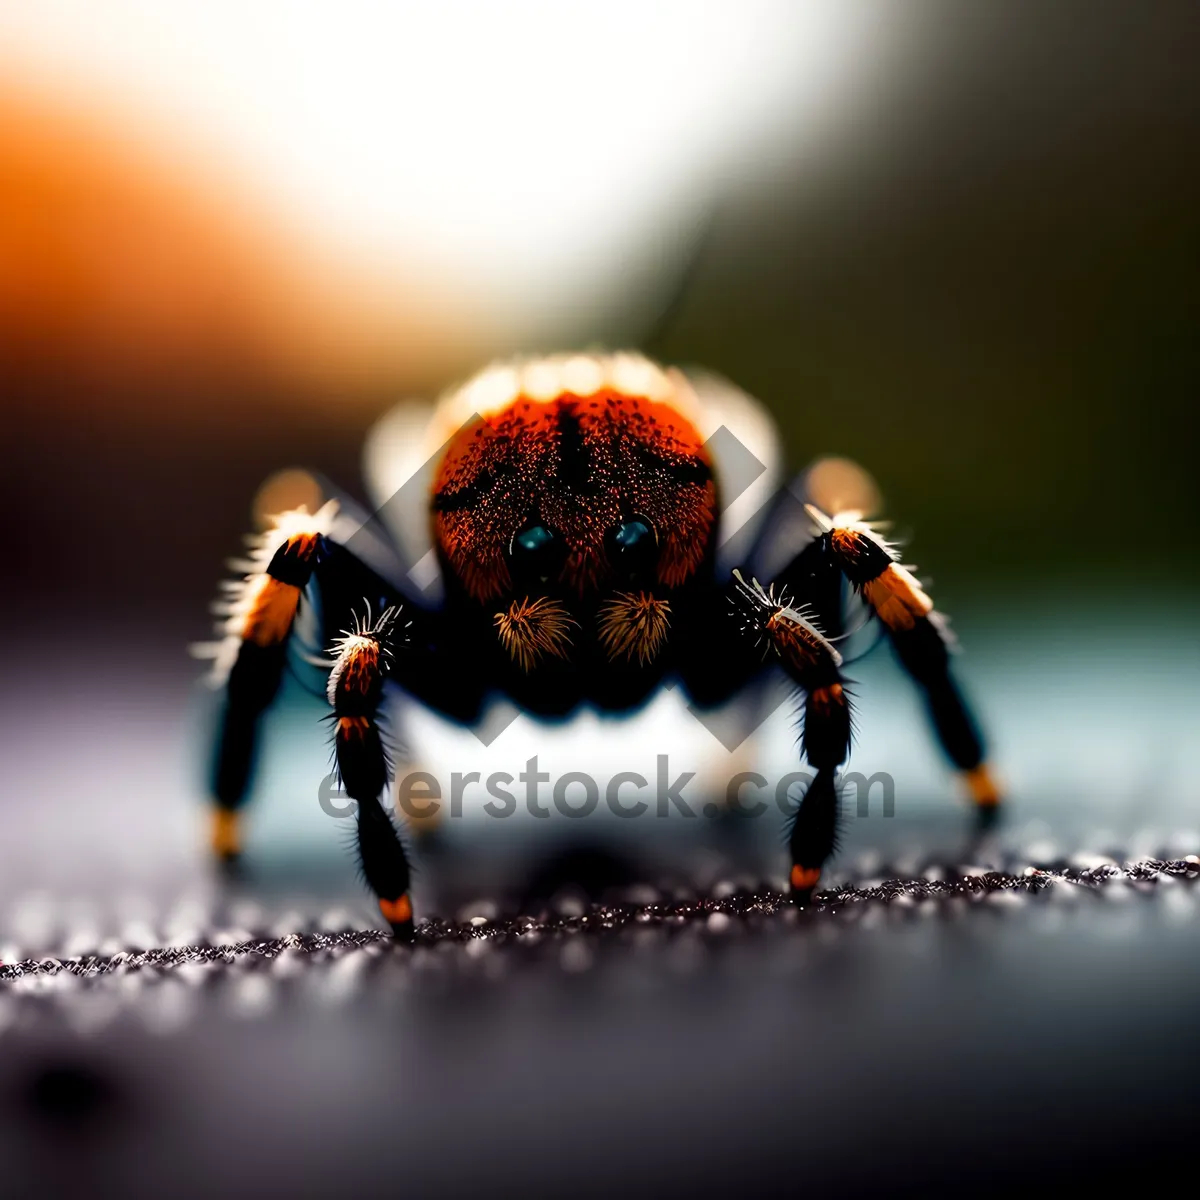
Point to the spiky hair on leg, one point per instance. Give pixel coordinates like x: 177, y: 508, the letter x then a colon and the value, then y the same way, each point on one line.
x: 531, y: 629
x: 366, y: 649
x: 249, y: 602
x: 634, y: 625
x: 364, y: 750
x: 851, y: 536
x: 872, y: 564
x: 776, y: 625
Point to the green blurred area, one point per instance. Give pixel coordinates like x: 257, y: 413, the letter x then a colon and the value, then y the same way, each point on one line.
x: 988, y: 297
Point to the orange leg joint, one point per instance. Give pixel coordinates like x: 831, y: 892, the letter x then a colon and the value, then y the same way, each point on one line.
x: 399, y: 915
x: 982, y: 786
x: 225, y: 835
x: 804, y: 879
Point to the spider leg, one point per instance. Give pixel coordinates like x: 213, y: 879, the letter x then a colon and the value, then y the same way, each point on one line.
x: 296, y: 562
x: 355, y: 693
x: 917, y: 632
x: 789, y: 633
x: 250, y: 660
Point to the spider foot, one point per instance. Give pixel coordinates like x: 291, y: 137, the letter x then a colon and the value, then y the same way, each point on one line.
x: 399, y: 915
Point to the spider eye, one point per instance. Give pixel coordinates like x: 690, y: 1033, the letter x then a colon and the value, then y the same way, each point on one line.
x: 537, y: 554
x: 632, y: 549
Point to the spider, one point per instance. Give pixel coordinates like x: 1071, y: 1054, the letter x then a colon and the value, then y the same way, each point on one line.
x: 573, y: 509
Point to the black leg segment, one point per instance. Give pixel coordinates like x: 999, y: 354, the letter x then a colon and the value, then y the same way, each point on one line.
x: 355, y: 691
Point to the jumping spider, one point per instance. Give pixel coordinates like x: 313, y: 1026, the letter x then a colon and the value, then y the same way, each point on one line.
x: 573, y: 510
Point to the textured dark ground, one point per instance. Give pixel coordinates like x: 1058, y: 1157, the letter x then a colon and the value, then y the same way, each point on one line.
x: 978, y: 1026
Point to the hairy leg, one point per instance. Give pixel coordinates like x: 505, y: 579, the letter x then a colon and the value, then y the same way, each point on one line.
x: 355, y: 692
x: 920, y: 638
x: 787, y: 632
x: 258, y: 613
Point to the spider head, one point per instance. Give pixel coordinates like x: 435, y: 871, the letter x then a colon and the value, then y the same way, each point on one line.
x: 576, y: 498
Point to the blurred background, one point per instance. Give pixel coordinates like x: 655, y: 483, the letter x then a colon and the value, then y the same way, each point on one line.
x: 960, y: 249
x: 958, y: 243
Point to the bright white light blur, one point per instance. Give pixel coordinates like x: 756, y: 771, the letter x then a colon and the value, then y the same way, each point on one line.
x: 534, y: 153
x: 664, y: 742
